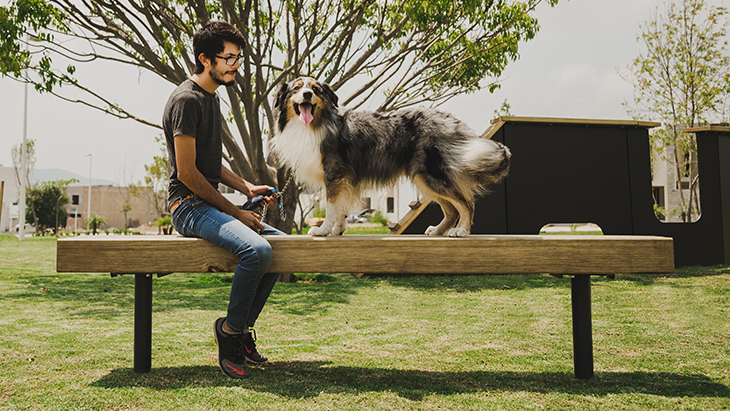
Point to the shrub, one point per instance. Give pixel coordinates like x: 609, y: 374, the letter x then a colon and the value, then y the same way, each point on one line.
x: 379, y: 218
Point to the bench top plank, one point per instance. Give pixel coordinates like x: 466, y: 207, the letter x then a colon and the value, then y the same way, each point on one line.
x: 394, y: 254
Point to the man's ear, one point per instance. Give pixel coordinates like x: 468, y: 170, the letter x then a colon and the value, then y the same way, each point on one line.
x: 204, y: 60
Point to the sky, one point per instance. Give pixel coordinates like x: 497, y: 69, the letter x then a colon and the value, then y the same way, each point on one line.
x: 570, y: 70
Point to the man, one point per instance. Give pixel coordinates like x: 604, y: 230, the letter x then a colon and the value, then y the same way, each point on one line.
x: 192, y: 125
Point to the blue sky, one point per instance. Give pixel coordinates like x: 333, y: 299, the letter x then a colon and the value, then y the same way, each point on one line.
x: 569, y: 70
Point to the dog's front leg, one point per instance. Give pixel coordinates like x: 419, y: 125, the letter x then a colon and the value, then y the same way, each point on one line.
x: 339, y: 193
x: 335, y: 222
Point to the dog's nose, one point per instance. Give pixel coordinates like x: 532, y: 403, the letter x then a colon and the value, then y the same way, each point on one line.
x: 307, y: 95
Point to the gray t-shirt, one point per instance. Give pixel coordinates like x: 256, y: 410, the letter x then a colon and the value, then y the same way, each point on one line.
x: 192, y: 111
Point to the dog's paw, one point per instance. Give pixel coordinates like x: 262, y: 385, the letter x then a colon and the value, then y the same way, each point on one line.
x: 339, y: 228
x: 458, y: 232
x: 431, y: 230
x: 318, y: 232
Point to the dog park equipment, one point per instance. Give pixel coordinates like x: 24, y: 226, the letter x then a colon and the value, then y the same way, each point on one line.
x: 576, y: 256
x: 597, y: 171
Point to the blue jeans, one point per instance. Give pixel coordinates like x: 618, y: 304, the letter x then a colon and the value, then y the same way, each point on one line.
x: 251, y: 283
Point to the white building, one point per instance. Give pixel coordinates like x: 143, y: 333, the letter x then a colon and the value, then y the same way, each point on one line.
x: 668, y: 192
x: 9, y: 190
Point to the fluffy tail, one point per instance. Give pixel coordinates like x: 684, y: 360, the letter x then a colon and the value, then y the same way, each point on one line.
x: 486, y: 161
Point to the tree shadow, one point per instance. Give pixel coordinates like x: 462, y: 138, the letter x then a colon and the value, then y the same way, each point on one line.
x: 101, y: 296
x: 308, y: 379
x: 475, y: 283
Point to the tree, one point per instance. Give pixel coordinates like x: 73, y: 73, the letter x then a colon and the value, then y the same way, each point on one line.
x: 48, y: 200
x: 383, y: 54
x: 95, y: 222
x: 684, y: 79
x: 165, y: 225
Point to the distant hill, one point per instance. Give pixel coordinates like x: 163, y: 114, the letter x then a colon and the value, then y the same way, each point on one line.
x: 55, y: 174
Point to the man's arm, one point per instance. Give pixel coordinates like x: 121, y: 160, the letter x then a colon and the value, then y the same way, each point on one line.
x: 232, y: 180
x: 193, y: 179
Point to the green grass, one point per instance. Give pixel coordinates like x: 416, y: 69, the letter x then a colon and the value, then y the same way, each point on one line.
x: 378, y: 343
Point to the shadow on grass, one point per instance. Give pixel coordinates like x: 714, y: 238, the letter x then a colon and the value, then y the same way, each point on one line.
x: 98, y: 295
x: 101, y: 296
x: 472, y: 283
x: 475, y: 283
x: 307, y: 379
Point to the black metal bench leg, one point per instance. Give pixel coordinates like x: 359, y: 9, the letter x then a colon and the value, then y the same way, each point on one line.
x: 580, y: 289
x: 142, y: 323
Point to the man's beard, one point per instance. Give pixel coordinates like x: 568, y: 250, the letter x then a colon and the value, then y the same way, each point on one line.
x: 219, y: 79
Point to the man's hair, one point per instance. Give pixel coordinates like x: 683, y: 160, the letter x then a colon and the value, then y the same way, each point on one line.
x: 209, y: 39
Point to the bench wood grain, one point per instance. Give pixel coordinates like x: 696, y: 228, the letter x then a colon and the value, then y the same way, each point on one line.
x: 416, y: 254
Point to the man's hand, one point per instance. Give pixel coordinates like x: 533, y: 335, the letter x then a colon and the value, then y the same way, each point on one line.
x: 250, y: 219
x: 259, y: 190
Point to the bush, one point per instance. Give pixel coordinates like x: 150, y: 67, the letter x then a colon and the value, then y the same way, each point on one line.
x: 165, y: 223
x: 379, y: 218
x: 125, y: 231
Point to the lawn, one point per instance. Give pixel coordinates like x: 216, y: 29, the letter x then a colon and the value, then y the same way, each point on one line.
x: 375, y: 343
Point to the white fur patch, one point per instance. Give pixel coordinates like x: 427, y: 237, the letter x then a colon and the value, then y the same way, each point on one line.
x: 476, y: 150
x: 298, y: 147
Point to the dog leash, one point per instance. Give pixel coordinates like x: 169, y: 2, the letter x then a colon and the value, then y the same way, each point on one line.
x: 259, y: 201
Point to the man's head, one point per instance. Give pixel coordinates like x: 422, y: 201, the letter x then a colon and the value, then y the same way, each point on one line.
x: 211, y: 41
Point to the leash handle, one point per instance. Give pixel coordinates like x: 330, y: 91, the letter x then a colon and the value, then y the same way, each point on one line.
x: 260, y: 201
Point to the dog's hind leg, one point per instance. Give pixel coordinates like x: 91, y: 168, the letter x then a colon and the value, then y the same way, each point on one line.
x: 449, y: 220
x: 466, y: 211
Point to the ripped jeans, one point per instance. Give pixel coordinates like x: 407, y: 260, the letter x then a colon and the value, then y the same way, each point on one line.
x: 251, y: 284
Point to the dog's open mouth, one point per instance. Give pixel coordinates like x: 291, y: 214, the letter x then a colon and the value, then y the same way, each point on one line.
x: 305, y: 111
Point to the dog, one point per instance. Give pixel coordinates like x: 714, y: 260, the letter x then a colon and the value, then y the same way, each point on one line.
x: 347, y: 151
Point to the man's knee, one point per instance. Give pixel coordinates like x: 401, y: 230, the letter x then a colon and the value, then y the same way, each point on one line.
x: 263, y: 253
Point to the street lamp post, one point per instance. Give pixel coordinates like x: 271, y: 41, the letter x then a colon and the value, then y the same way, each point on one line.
x: 58, y: 205
x: 88, y: 206
x: 23, y: 168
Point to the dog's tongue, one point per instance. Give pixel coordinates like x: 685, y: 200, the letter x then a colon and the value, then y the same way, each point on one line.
x: 305, y: 114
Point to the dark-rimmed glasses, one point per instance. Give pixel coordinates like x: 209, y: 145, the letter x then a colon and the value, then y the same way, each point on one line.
x: 230, y: 61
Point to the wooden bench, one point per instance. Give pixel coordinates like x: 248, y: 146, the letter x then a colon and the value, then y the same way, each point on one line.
x: 576, y: 256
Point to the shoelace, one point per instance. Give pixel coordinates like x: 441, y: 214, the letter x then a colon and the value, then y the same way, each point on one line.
x: 238, y: 349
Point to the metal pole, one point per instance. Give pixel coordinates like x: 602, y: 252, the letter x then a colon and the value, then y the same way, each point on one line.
x: 23, y: 168
x: 2, y: 194
x: 142, y: 323
x: 580, y: 287
x: 88, y: 207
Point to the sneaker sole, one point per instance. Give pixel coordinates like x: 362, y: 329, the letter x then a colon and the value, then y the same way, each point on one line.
x: 218, y: 324
x: 251, y: 361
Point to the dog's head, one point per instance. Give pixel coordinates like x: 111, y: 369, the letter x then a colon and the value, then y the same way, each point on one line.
x: 304, y: 98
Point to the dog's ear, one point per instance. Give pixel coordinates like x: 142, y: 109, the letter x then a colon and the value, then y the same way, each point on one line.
x: 280, y: 95
x: 330, y: 94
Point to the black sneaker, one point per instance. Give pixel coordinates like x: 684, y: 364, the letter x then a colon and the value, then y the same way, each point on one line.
x: 230, y: 352
x: 249, y: 346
